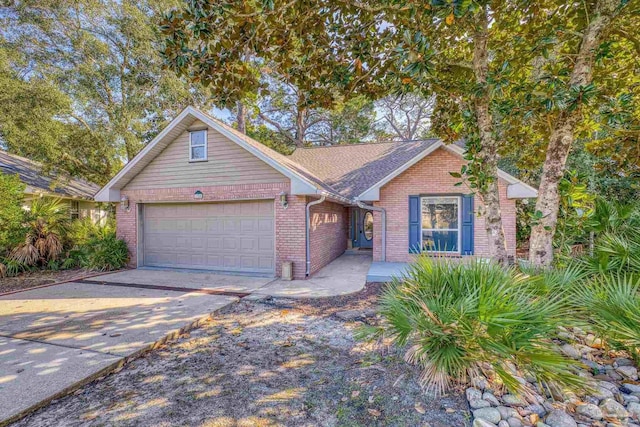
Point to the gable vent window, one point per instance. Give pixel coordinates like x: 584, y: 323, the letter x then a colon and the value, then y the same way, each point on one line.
x: 198, y: 146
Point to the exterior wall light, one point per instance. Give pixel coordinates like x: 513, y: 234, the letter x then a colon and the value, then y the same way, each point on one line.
x: 198, y: 195
x: 124, y: 203
x: 283, y: 200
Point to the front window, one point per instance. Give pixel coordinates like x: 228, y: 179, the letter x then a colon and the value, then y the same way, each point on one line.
x: 440, y: 224
x: 198, y: 145
x: 74, y: 209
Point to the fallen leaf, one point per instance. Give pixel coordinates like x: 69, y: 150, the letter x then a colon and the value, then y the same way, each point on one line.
x: 450, y: 410
x: 420, y: 408
x: 355, y: 393
x: 374, y: 412
x: 449, y: 19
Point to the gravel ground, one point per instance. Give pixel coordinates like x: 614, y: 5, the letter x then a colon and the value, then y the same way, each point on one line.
x: 31, y: 279
x: 264, y: 363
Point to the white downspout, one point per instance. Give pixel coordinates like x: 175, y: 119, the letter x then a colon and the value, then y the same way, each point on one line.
x: 308, y: 227
x: 384, y: 225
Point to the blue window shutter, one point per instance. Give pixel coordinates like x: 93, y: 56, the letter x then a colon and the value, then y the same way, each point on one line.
x: 467, y: 224
x: 414, y: 224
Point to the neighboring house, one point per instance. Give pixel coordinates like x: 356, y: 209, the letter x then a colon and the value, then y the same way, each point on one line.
x: 202, y: 195
x: 76, y: 192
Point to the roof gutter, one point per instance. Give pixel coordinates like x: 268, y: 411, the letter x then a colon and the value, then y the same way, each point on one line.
x: 384, y: 225
x: 308, y: 231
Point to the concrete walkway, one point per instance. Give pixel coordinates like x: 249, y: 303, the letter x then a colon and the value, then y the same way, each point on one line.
x: 344, y: 275
x: 55, y: 339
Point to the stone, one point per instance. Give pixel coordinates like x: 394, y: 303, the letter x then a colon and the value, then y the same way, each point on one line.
x: 479, y: 422
x: 622, y: 361
x: 629, y: 398
x: 601, y: 393
x: 559, y: 418
x: 503, y: 423
x: 488, y: 414
x: 513, y: 400
x: 478, y: 403
x: 628, y: 372
x: 570, y: 351
x: 473, y: 394
x: 609, y: 386
x: 589, y: 410
x: 541, y: 424
x: 506, y: 412
x: 612, y: 409
x: 489, y: 397
x: 634, y: 410
x: 595, y: 367
x: 593, y: 342
x: 514, y: 422
x: 479, y: 382
x: 631, y: 388
x: 352, y: 315
x: 536, y: 409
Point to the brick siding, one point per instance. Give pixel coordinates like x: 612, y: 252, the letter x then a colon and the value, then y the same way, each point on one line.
x: 328, y: 233
x: 431, y: 176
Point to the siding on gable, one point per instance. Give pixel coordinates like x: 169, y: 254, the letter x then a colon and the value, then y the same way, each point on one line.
x: 227, y: 164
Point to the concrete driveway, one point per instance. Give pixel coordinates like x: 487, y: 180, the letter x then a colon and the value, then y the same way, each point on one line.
x: 56, y: 338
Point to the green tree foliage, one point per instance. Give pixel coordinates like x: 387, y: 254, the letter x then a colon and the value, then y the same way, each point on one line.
x: 102, y: 54
x: 11, y: 212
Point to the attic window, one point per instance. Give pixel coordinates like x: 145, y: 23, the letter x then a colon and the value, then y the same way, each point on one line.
x: 198, y: 146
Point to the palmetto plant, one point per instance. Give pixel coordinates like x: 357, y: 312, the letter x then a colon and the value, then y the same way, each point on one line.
x: 457, y: 319
x: 611, y: 303
x: 46, y: 226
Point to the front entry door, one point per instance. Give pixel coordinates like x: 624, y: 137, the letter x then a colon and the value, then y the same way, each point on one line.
x: 363, y: 227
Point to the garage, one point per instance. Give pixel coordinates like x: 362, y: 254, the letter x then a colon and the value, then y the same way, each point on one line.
x: 230, y: 236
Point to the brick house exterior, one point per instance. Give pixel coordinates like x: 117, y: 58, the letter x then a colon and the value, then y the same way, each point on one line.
x: 242, y: 207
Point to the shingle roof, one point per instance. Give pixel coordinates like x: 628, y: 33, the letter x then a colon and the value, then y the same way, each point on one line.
x: 286, y: 161
x: 31, y: 174
x: 352, y: 169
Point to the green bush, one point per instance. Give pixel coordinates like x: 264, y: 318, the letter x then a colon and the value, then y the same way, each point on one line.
x: 611, y: 305
x: 11, y: 212
x: 457, y: 318
x: 106, y: 253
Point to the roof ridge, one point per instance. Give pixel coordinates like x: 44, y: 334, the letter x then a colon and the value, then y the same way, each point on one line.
x: 359, y: 144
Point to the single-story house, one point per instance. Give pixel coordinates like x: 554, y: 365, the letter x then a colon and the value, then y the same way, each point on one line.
x: 78, y: 193
x: 202, y: 195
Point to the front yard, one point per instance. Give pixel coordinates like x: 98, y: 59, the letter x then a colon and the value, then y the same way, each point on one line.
x: 31, y: 279
x: 268, y: 362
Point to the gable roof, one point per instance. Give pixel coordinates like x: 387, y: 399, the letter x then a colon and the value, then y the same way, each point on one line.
x: 302, y: 180
x: 353, y: 169
x: 36, y: 181
x: 345, y: 173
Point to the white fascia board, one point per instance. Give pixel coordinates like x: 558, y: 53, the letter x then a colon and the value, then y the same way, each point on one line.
x: 373, y: 193
x: 107, y: 195
x: 521, y: 191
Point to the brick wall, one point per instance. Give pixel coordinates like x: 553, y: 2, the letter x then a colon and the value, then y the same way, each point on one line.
x: 289, y: 223
x: 328, y: 233
x: 431, y: 176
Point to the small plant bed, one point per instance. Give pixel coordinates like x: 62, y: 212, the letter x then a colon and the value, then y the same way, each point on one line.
x: 611, y: 396
x: 272, y: 362
x: 31, y: 279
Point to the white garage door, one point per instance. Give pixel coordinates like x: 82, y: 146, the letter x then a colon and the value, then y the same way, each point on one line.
x: 236, y: 236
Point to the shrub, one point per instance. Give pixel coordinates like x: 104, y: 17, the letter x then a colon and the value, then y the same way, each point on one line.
x: 611, y: 303
x: 105, y: 253
x: 46, y: 225
x: 458, y: 318
x: 11, y: 212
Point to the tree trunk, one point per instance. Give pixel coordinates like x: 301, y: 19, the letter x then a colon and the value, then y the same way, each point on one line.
x: 562, y: 136
x: 300, y: 126
x: 489, y: 153
x: 241, y: 117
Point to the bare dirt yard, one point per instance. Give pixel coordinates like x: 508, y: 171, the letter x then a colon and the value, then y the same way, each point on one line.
x: 270, y: 362
x: 32, y: 279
